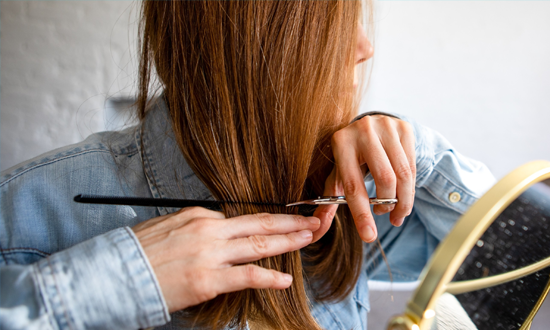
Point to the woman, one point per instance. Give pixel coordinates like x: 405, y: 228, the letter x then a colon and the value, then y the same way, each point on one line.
x: 256, y: 107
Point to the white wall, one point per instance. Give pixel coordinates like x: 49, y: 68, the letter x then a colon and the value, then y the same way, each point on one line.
x: 479, y: 72
x: 60, y: 60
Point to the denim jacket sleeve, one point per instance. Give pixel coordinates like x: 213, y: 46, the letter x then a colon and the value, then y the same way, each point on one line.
x: 104, y: 282
x: 447, y: 184
x: 65, y: 265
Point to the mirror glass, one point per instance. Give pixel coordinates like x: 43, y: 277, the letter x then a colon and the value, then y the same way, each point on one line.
x: 519, y: 237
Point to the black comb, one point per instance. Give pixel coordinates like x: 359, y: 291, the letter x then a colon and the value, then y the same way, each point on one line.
x: 176, y: 203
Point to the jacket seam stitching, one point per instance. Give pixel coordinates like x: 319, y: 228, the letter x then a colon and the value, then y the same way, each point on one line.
x: 443, y: 201
x: 60, y: 295
x: 33, y: 250
x: 2, y: 254
x: 40, y: 285
x: 51, y: 162
x: 455, y: 185
x: 148, y: 169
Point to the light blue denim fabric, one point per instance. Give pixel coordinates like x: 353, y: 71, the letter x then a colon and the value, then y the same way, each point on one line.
x: 66, y: 265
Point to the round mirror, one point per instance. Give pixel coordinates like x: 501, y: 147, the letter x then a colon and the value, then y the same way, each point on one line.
x: 498, y: 285
x: 493, y: 269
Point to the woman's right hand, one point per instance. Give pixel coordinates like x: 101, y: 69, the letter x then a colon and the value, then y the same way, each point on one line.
x: 197, y: 254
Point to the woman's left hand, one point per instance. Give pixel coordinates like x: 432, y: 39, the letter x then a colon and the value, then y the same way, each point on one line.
x: 386, y: 146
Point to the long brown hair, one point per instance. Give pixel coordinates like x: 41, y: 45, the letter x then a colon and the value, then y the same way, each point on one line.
x: 255, y: 91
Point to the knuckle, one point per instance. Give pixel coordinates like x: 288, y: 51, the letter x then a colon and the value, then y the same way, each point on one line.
x: 338, y: 137
x: 193, y: 224
x: 386, y: 178
x: 191, y: 212
x: 387, y: 121
x: 403, y: 171
x: 405, y: 206
x: 200, y: 225
x: 300, y: 221
x: 352, y: 188
x: 365, y: 123
x: 290, y: 241
x: 252, y: 275
x: 330, y: 213
x: 364, y: 218
x: 405, y: 127
x: 202, y: 285
x: 382, y: 122
x: 266, y: 221
x: 259, y: 244
x: 207, y: 224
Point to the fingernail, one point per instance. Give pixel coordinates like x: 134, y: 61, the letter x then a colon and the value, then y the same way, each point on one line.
x: 305, y: 233
x: 287, y: 277
x: 370, y: 235
x: 314, y: 221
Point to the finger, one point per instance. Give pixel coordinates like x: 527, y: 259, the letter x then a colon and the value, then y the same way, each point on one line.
x: 408, y: 142
x: 404, y: 184
x: 349, y: 176
x: 326, y: 213
x: 381, y: 170
x: 267, y: 224
x: 238, y: 278
x: 256, y: 247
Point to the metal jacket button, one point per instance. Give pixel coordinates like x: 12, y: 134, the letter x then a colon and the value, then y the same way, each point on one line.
x: 454, y: 197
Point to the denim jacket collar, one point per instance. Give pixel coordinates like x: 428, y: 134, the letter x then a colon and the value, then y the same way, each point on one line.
x: 167, y: 171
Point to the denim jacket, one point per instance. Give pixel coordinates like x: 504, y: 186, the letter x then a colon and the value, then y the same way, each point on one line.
x: 65, y: 265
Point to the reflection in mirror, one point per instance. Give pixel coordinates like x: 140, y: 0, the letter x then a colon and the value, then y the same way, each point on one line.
x: 519, y: 237
x: 506, y: 306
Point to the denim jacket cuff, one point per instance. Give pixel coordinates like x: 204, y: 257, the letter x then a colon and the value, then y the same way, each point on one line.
x: 104, y: 282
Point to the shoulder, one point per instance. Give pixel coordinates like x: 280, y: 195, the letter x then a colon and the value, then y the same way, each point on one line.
x: 97, y: 149
x: 37, y: 211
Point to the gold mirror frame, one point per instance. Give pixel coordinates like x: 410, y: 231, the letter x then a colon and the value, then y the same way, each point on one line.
x: 450, y: 254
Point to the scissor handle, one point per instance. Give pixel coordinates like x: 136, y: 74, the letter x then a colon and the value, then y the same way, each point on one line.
x: 325, y: 200
x: 382, y: 201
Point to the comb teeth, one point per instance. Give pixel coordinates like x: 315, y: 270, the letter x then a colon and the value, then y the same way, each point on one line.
x: 84, y: 197
x: 253, y: 203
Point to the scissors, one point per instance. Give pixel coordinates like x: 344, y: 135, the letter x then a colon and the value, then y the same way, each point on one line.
x: 323, y: 200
